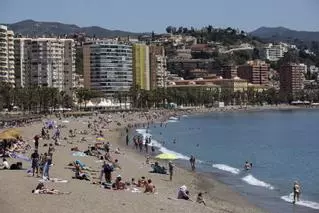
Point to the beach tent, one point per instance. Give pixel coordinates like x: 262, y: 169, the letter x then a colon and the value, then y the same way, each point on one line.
x: 89, y: 104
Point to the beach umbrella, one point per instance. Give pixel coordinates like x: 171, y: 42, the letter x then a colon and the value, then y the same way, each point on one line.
x: 166, y: 156
x: 100, y: 139
x: 6, y: 136
x: 12, y: 132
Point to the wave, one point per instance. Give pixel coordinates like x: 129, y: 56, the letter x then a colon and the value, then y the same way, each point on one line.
x: 251, y: 180
x: 184, y: 116
x: 226, y: 168
x: 172, y: 121
x: 173, y: 118
x: 161, y: 148
x: 306, y: 203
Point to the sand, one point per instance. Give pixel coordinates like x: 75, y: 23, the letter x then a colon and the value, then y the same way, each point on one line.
x: 16, y: 186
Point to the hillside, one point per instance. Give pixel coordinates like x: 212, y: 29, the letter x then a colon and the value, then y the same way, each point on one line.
x: 36, y: 28
x: 284, y: 34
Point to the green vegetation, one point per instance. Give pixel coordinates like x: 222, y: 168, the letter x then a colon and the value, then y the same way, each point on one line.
x: 36, y: 99
x: 228, y: 36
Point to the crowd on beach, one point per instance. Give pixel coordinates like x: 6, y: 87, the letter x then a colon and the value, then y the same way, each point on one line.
x: 50, y: 136
x: 53, y: 135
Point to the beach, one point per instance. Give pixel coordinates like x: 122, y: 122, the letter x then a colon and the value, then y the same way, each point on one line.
x: 88, y: 197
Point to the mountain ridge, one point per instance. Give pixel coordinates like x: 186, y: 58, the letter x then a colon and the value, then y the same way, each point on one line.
x: 30, y: 27
x: 284, y: 34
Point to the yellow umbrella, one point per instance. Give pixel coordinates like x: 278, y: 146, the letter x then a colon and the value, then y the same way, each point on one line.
x: 100, y: 139
x: 13, y: 132
x: 6, y: 136
x: 166, y: 156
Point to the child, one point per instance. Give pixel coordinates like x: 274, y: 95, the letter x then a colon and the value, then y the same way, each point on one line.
x: 200, y: 199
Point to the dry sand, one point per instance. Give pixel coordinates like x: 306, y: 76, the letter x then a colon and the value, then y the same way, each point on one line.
x: 16, y: 186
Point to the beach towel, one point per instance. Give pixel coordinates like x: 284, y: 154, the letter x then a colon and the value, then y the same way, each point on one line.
x: 54, y: 180
x: 79, y: 154
x: 19, y: 156
x: 135, y: 190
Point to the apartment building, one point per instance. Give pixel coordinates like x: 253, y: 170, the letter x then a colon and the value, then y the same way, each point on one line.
x: 273, y: 52
x: 107, y: 67
x: 291, y: 79
x: 6, y: 55
x: 141, y: 66
x: 158, y: 67
x: 255, y: 72
x: 228, y: 71
x: 45, y: 62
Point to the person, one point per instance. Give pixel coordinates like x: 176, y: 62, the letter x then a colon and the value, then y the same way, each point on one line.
x: 5, y: 164
x: 141, y: 182
x: 296, y: 191
x: 171, y: 169
x: 200, y: 199
x: 107, y: 147
x: 43, y: 133
x: 79, y: 174
x: 183, y: 193
x: 133, y: 182
x: 116, y: 164
x: 248, y: 165
x: 119, y: 184
x: 41, y: 189
x: 192, y: 162
x: 46, y: 168
x: 36, y: 141
x: 108, y: 169
x: 149, y: 187
x: 35, y: 162
x: 127, y: 140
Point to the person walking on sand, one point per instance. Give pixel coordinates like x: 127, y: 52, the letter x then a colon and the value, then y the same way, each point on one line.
x: 35, y: 162
x: 171, y: 170
x: 192, y: 161
x: 296, y: 191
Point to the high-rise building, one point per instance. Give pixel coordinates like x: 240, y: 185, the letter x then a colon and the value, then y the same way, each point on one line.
x: 6, y: 55
x: 291, y: 79
x: 255, y: 72
x: 107, y: 67
x: 141, y: 66
x: 158, y: 67
x: 45, y: 62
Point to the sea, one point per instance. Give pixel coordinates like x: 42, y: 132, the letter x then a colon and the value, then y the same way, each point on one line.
x: 283, y: 147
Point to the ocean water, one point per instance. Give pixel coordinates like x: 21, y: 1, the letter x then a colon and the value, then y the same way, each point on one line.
x: 282, y: 145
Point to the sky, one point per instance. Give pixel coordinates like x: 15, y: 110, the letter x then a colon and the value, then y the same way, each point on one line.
x: 151, y: 15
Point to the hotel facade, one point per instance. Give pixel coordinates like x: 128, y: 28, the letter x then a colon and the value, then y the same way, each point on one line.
x: 45, y: 62
x: 6, y: 55
x: 107, y: 67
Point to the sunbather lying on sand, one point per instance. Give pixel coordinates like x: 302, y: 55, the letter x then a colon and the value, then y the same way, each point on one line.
x: 41, y: 189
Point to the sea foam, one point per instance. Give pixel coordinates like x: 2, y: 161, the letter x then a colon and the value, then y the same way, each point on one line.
x: 227, y: 168
x: 161, y: 148
x: 251, y: 180
x: 306, y: 203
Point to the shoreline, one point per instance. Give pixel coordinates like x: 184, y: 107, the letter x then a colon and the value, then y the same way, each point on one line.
x: 220, y: 197
x: 217, y: 194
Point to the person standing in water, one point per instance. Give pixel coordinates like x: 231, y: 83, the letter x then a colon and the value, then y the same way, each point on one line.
x: 192, y: 160
x: 296, y: 191
x: 170, y: 169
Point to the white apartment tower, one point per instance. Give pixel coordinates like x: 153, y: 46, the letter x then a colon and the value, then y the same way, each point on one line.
x: 45, y: 62
x: 6, y: 55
